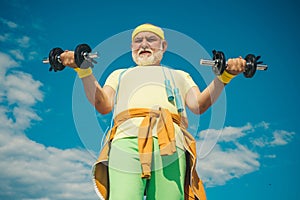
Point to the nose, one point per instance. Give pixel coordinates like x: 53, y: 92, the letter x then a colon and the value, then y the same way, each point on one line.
x: 144, y: 44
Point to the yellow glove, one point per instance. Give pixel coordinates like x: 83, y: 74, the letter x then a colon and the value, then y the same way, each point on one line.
x: 83, y: 72
x: 226, y: 77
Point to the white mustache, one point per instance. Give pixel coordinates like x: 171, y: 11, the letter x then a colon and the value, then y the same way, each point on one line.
x: 142, y: 49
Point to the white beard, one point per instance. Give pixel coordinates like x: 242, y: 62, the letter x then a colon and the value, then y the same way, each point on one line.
x: 145, y: 60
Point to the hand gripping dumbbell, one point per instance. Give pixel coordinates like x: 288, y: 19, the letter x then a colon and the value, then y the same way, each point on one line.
x: 82, y: 55
x: 219, y: 64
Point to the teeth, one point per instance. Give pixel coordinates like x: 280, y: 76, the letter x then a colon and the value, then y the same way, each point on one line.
x: 144, y: 51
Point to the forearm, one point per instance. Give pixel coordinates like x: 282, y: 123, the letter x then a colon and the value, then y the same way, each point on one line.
x: 96, y: 95
x: 198, y: 102
x: 101, y: 98
x: 209, y: 96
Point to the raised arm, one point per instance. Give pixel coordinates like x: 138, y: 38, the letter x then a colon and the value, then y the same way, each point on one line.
x: 101, y: 98
x: 198, y: 102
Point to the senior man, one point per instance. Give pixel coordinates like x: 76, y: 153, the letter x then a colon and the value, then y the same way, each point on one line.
x: 148, y: 152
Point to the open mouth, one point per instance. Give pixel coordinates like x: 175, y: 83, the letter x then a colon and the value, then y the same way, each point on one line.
x: 145, y: 52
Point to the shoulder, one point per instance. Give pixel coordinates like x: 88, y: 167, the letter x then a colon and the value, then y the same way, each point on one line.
x: 183, y: 74
x: 118, y: 71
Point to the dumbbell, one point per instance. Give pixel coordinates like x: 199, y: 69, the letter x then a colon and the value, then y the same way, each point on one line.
x: 82, y: 55
x: 219, y: 64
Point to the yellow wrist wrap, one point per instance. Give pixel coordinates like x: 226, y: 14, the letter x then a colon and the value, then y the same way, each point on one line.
x: 226, y: 77
x: 83, y: 72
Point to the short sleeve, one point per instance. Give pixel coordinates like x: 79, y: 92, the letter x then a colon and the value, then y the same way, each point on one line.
x: 113, y: 79
x: 188, y: 81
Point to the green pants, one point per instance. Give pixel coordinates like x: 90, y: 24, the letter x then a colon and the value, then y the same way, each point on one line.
x: 167, y: 176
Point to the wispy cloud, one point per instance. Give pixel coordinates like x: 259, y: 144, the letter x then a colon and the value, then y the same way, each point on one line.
x: 4, y: 37
x: 18, y: 43
x: 32, y: 55
x: 23, y: 41
x: 8, y: 23
x: 281, y: 137
x: 230, y: 157
x: 277, y: 138
x: 17, y: 54
x: 270, y: 156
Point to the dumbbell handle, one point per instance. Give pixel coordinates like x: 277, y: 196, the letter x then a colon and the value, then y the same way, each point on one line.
x: 87, y: 56
x: 213, y: 62
x: 90, y: 56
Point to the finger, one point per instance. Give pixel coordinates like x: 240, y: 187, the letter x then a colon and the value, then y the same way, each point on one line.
x: 230, y: 62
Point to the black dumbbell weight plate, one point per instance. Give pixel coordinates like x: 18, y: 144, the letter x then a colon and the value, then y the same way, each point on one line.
x: 79, y: 56
x: 251, y: 65
x: 54, y: 60
x: 220, y: 62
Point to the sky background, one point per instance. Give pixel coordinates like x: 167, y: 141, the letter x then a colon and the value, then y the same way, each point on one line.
x: 253, y: 153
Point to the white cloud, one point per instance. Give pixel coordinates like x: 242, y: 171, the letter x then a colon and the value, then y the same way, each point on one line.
x: 6, y: 62
x: 223, y: 165
x: 24, y: 41
x: 270, y: 156
x: 209, y: 138
x: 223, y: 156
x: 219, y: 164
x: 233, y: 133
x: 276, y: 138
x: 4, y: 37
x: 32, y: 55
x: 260, y: 142
x: 24, y: 117
x: 29, y: 170
x: 281, y: 137
x: 8, y: 23
x: 263, y: 124
x: 6, y: 121
x: 20, y: 46
x: 18, y: 93
x: 22, y: 89
x: 17, y: 54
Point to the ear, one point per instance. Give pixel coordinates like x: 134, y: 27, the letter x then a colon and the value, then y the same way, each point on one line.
x: 164, y: 45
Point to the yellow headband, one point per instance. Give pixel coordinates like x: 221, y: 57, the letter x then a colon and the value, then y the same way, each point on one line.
x: 148, y: 28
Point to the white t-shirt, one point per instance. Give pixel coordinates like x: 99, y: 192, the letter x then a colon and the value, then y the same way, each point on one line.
x: 144, y: 87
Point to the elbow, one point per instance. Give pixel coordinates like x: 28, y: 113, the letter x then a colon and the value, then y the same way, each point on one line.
x: 203, y: 110
x: 104, y: 112
x: 199, y: 109
x: 103, y: 109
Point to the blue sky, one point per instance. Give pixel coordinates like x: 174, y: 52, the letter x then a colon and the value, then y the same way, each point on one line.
x: 248, y: 143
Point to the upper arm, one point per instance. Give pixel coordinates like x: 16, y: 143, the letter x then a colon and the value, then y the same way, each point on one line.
x: 110, y: 93
x: 109, y: 90
x: 106, y: 106
x: 191, y: 99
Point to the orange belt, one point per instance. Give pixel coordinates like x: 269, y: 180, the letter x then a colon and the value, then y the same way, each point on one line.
x: 165, y: 133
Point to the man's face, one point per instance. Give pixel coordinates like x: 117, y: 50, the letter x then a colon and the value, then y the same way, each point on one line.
x: 147, y: 49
